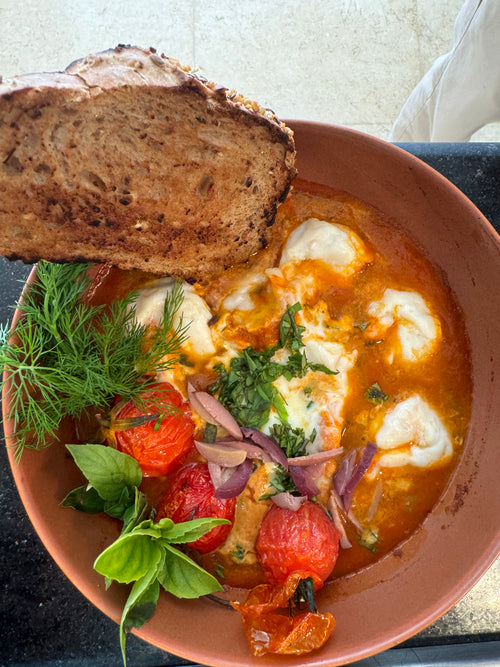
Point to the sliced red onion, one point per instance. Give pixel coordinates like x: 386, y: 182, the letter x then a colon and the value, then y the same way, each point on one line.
x: 236, y: 483
x: 334, y: 510
x: 219, y: 474
x: 377, y: 495
x: 196, y: 405
x: 221, y: 454
x: 340, y: 505
x: 211, y: 410
x: 303, y: 481
x: 287, y: 501
x: 215, y: 471
x: 267, y: 443
x: 354, y: 521
x: 359, y: 471
x: 253, y: 451
x: 344, y: 473
x: 318, y: 457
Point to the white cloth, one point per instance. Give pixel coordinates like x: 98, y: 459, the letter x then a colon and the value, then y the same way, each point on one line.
x: 461, y: 92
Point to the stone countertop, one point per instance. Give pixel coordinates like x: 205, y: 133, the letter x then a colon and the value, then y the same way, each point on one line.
x: 46, y: 621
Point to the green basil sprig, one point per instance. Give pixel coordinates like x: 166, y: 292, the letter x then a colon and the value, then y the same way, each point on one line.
x: 143, y: 554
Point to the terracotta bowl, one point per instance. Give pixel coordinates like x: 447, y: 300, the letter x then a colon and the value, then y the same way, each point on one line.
x: 407, y: 590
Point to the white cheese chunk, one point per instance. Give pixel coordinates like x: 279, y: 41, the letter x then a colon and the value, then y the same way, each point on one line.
x: 193, y: 312
x: 241, y: 298
x: 416, y: 327
x: 414, y: 425
x: 336, y: 245
x: 315, y: 402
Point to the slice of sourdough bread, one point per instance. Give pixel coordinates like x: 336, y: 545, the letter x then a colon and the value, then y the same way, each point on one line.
x: 131, y: 159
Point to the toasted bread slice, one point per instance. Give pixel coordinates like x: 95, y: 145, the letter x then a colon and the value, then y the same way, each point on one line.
x: 131, y: 159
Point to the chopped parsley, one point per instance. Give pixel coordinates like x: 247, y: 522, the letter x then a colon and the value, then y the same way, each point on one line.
x: 238, y: 552
x: 290, y: 331
x: 246, y: 388
x: 293, y: 441
x: 282, y: 482
x: 369, y: 540
x: 375, y: 394
x: 210, y: 433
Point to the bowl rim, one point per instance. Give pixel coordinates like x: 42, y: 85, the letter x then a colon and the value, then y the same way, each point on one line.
x: 406, y: 629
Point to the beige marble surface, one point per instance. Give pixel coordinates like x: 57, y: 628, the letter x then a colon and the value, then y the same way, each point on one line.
x: 350, y: 62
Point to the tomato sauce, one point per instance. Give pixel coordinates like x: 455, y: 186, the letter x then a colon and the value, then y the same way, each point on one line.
x: 389, y: 503
x: 407, y: 494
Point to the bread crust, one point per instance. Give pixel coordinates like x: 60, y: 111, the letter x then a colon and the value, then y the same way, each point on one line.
x: 131, y: 159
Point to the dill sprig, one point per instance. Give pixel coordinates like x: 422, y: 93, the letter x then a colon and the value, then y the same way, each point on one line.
x: 64, y: 356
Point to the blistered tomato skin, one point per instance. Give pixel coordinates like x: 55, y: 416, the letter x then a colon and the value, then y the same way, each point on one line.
x: 191, y: 496
x: 158, y: 446
x: 305, y: 542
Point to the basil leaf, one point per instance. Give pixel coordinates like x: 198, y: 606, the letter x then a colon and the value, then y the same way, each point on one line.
x: 107, y: 469
x: 134, y: 514
x: 182, y: 577
x: 117, y: 508
x: 140, y: 606
x: 84, y: 499
x: 129, y: 558
x: 188, y: 531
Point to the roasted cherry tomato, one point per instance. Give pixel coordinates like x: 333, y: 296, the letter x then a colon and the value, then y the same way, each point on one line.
x: 268, y: 630
x: 191, y: 496
x: 305, y: 542
x: 160, y: 444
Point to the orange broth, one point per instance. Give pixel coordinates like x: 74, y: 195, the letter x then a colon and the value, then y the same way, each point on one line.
x: 396, y: 501
x: 408, y: 493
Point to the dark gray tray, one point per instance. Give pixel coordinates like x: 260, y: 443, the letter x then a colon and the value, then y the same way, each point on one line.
x: 46, y: 622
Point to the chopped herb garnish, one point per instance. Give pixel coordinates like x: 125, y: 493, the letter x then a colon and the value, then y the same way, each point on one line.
x: 184, y: 360
x: 292, y: 441
x: 281, y: 482
x: 290, y: 331
x: 210, y: 433
x: 375, y: 394
x: 246, y: 389
x: 369, y: 539
x: 157, y: 424
x: 238, y: 552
